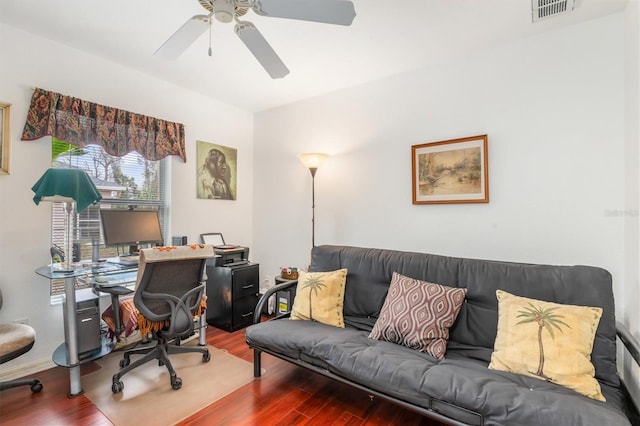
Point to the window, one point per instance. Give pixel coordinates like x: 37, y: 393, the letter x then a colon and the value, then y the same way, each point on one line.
x: 124, y: 182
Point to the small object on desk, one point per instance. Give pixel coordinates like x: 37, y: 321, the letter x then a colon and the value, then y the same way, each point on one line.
x: 179, y: 240
x: 57, y: 254
x: 289, y: 273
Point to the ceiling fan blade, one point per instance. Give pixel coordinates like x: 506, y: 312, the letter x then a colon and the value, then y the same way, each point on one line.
x: 339, y: 12
x: 183, y: 38
x: 261, y: 49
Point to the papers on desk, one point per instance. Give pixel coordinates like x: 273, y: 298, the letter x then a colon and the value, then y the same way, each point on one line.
x: 129, y: 260
x: 120, y: 279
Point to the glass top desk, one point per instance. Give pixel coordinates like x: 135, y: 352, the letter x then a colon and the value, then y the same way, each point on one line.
x: 66, y: 354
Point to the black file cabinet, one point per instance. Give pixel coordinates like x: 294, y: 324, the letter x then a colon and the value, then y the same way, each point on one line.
x: 232, y: 295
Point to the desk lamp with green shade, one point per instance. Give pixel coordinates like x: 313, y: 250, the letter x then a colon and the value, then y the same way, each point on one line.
x: 69, y: 186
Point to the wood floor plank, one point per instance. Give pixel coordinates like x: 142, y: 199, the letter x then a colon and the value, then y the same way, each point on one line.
x: 285, y: 395
x: 292, y: 418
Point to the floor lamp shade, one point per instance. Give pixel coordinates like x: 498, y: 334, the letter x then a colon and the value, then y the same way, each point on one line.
x: 68, y: 186
x: 313, y: 161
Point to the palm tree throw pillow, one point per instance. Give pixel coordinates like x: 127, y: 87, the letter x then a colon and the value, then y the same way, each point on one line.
x: 548, y: 341
x: 320, y: 297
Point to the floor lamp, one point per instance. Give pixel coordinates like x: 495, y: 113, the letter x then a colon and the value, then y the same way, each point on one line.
x: 313, y: 161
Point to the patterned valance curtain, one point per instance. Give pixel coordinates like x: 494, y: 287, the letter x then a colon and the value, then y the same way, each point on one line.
x: 119, y: 132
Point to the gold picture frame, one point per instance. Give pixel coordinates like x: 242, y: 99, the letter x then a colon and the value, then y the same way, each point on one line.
x: 451, y: 171
x: 5, y: 141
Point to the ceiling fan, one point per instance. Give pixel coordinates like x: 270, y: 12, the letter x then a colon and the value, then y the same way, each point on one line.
x: 339, y: 12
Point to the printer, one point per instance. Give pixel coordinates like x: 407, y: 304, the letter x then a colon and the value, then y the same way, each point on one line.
x: 225, y: 254
x: 230, y: 256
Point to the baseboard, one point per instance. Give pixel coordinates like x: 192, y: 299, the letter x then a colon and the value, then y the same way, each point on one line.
x: 26, y: 369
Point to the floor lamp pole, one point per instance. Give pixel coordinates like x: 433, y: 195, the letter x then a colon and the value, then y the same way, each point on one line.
x: 313, y: 205
x: 68, y: 250
x: 312, y: 161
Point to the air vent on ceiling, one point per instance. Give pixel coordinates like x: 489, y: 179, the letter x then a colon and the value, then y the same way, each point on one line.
x: 541, y: 9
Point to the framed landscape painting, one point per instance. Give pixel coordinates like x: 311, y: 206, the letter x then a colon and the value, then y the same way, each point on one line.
x: 453, y: 171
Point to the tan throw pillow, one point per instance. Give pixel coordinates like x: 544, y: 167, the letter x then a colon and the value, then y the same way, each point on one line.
x: 418, y: 314
x: 320, y: 297
x: 548, y: 341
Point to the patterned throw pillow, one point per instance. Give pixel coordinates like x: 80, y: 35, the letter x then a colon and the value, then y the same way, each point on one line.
x: 128, y: 316
x: 320, y: 297
x: 418, y: 314
x: 548, y: 341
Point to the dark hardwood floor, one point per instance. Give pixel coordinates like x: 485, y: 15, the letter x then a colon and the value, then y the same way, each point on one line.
x: 284, y: 395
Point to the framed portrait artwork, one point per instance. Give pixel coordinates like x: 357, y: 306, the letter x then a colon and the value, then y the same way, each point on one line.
x: 5, y: 143
x: 217, y: 172
x: 453, y: 171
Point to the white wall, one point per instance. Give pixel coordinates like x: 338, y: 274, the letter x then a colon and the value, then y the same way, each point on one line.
x: 631, y: 300
x: 25, y: 228
x: 553, y: 107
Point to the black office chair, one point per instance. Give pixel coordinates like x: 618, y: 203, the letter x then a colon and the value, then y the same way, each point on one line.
x: 169, y: 293
x: 15, y: 340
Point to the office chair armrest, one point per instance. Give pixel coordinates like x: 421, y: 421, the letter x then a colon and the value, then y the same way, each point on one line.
x: 180, y: 315
x: 117, y: 290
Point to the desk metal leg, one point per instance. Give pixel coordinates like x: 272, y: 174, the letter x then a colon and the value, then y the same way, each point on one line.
x: 71, y: 337
x: 202, y: 339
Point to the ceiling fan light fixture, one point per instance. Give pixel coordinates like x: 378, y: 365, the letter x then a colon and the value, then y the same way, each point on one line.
x: 223, y: 10
x: 223, y: 16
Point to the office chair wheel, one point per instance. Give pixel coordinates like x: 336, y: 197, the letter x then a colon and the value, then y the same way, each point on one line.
x: 124, y: 362
x: 117, y: 387
x: 36, y: 387
x: 206, y: 357
x: 176, y: 383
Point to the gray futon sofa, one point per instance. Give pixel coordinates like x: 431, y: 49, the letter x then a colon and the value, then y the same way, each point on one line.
x: 458, y: 389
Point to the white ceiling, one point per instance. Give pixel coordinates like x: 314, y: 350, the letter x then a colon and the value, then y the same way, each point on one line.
x: 387, y: 37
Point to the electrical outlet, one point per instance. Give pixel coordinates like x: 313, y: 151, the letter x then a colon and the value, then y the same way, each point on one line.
x: 265, y: 284
x: 24, y: 320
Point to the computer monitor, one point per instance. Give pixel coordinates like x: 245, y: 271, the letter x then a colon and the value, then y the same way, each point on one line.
x: 130, y: 227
